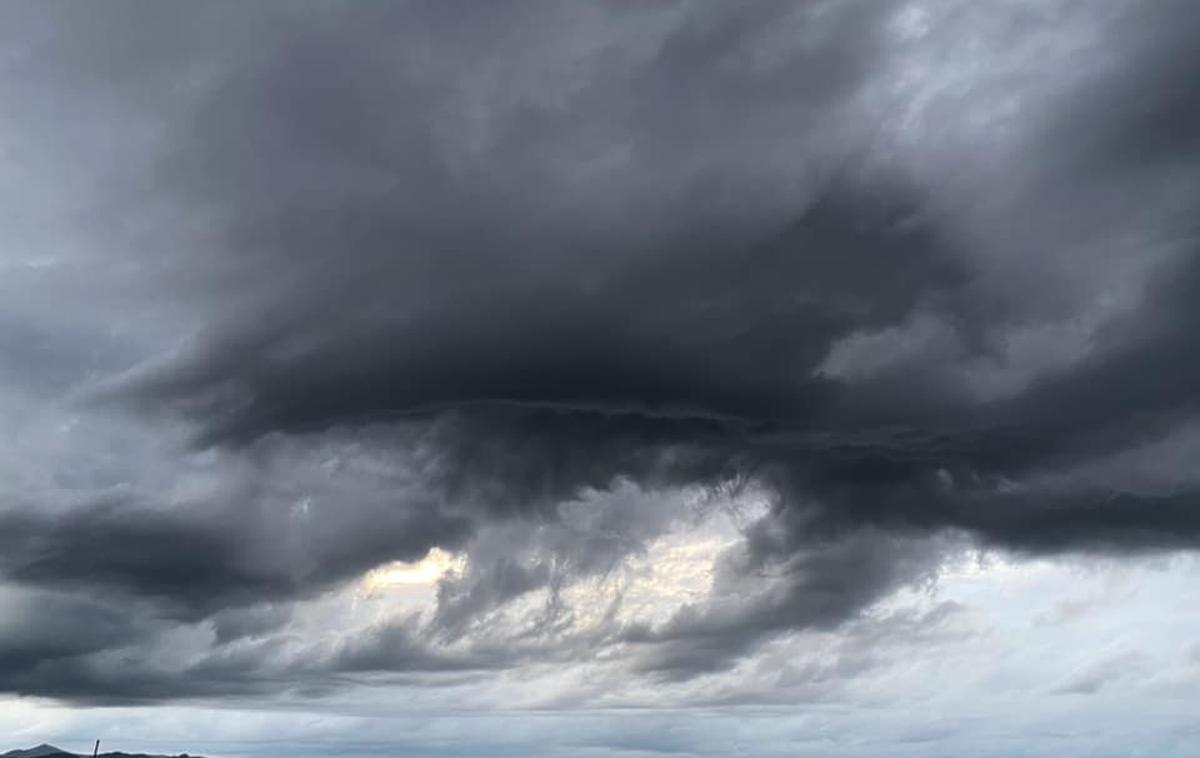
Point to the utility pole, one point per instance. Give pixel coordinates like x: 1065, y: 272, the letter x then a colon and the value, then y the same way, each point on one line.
x: 96, y: 750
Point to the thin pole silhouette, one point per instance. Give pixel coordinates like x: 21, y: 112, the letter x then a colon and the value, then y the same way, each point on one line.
x: 96, y: 750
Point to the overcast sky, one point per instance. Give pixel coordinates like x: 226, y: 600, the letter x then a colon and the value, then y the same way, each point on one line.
x: 600, y: 379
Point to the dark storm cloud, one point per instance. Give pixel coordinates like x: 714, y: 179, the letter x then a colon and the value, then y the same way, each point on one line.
x: 210, y: 556
x: 40, y: 627
x: 569, y: 248
x: 106, y: 650
x: 157, y: 554
x: 397, y: 279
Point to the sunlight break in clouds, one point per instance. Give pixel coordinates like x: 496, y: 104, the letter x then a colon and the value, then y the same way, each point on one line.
x: 424, y: 573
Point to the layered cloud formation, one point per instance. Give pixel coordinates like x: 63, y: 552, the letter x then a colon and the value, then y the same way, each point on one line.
x: 637, y: 337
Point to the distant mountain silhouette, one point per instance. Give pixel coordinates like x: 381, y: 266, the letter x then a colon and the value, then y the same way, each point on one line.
x: 41, y: 751
x: 49, y: 751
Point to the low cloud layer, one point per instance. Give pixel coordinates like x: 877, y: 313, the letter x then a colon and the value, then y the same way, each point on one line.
x: 298, y: 291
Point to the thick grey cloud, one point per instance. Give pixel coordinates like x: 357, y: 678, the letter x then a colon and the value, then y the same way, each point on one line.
x: 195, y: 563
x: 435, y: 273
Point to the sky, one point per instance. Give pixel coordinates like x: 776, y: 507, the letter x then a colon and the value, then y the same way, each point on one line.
x: 600, y: 379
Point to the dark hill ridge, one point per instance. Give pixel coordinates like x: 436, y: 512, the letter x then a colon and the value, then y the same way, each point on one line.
x: 41, y: 751
x: 49, y: 751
